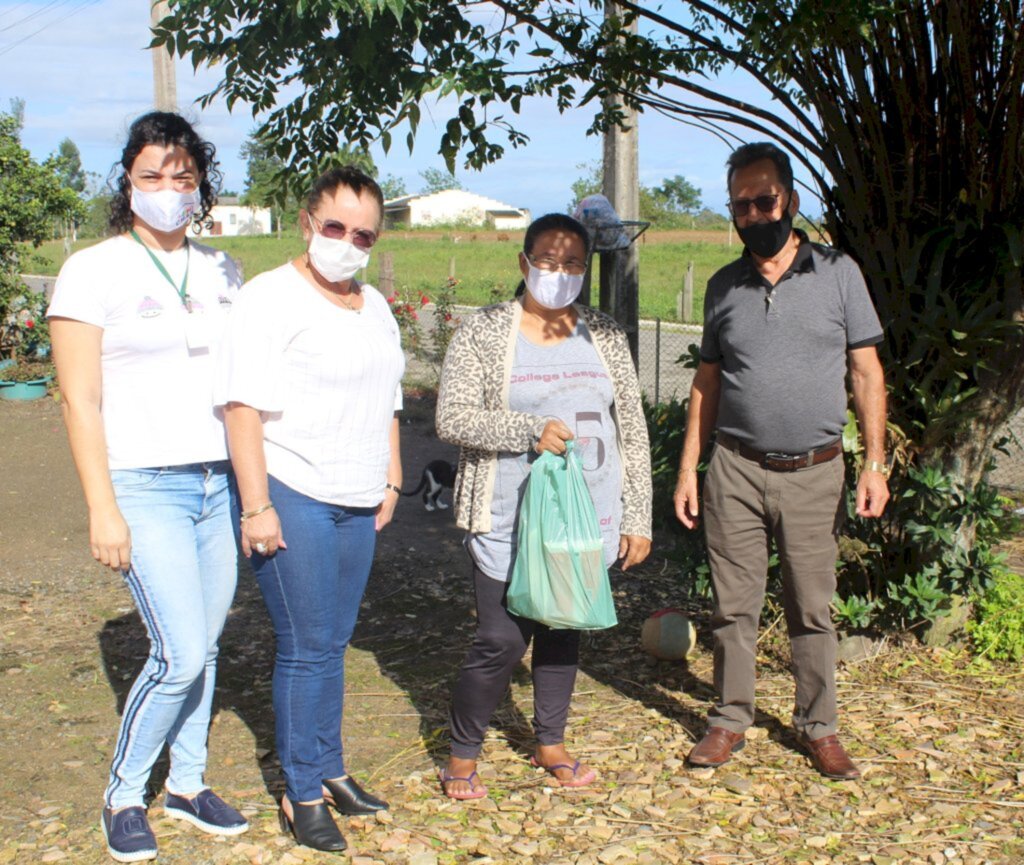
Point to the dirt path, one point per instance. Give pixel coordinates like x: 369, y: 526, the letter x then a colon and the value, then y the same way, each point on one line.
x: 943, y: 751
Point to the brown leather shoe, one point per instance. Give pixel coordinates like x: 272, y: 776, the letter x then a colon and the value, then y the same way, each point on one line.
x: 716, y: 748
x: 829, y: 757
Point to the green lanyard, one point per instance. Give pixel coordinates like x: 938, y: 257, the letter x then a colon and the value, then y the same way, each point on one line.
x: 186, y: 301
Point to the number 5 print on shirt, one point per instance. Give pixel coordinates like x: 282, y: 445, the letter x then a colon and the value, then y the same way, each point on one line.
x: 591, y: 444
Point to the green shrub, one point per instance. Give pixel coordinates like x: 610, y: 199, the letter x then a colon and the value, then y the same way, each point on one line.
x: 936, y: 539
x: 998, y: 628
x: 854, y: 612
x: 666, y: 425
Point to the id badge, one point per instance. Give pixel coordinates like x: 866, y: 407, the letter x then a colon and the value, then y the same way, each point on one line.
x: 197, y: 331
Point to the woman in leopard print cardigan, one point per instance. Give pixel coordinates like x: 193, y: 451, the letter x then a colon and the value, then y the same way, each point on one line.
x: 521, y: 377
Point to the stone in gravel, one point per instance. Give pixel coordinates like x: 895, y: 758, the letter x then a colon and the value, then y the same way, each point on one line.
x: 506, y: 826
x: 525, y: 848
x: 427, y: 857
x: 397, y: 840
x: 53, y: 856
x: 616, y: 853
x: 856, y: 648
x: 736, y: 783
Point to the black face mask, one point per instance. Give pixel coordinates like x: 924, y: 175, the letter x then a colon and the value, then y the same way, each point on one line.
x: 766, y: 239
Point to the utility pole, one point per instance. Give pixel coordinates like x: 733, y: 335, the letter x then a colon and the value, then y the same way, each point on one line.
x: 620, y: 280
x: 165, y: 88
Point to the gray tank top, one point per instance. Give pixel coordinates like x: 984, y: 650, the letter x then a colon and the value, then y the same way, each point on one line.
x: 569, y: 382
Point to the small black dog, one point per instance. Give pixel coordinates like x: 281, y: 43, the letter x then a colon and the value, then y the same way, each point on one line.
x: 438, y: 475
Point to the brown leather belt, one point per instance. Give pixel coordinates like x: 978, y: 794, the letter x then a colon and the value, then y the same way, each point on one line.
x: 781, y: 462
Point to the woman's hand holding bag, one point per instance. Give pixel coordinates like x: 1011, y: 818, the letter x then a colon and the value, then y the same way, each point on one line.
x: 559, y: 577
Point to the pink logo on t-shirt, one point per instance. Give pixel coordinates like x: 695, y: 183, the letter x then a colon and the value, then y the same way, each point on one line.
x: 149, y: 308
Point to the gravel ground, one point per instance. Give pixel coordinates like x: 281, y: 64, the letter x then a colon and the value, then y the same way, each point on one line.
x: 941, y: 742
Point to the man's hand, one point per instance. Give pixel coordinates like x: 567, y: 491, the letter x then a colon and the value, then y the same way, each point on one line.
x: 685, y: 498
x: 872, y: 494
x: 633, y: 549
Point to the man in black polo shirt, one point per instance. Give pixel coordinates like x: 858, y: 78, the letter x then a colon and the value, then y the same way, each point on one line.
x: 781, y: 325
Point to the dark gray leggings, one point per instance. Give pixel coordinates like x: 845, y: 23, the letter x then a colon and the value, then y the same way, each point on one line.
x: 500, y: 643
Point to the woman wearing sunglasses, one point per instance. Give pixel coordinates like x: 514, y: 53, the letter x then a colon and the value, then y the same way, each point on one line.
x: 520, y: 378
x: 311, y: 380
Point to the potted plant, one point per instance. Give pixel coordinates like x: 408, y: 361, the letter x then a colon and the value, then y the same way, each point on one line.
x: 27, y: 372
x: 25, y: 379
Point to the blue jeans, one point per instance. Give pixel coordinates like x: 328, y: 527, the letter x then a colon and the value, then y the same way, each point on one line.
x: 183, y: 570
x: 313, y: 590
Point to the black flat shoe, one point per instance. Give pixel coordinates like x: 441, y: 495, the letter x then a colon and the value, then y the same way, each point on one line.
x: 351, y: 799
x: 313, y: 826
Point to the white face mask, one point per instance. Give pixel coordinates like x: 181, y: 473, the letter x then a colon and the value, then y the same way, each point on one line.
x: 166, y: 209
x: 336, y: 260
x: 552, y: 288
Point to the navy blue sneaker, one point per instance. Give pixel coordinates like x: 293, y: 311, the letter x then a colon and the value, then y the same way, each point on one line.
x: 129, y: 838
x: 207, y: 811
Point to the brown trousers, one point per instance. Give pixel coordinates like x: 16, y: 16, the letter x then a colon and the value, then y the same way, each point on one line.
x: 745, y: 507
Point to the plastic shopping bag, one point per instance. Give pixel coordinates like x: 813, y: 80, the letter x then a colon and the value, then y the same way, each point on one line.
x: 559, y: 577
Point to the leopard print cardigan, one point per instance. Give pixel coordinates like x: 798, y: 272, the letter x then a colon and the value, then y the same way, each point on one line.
x: 473, y: 412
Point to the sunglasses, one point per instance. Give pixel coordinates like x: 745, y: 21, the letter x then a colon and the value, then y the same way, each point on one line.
x: 741, y: 206
x: 362, y: 238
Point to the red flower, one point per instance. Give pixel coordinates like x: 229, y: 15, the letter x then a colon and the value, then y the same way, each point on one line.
x: 447, y: 316
x: 424, y: 300
x: 392, y: 299
x: 30, y: 324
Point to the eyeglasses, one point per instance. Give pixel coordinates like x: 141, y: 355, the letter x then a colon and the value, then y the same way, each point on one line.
x: 741, y: 206
x: 362, y: 238
x: 573, y: 268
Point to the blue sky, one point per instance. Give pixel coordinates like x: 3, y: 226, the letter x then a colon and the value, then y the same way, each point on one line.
x: 84, y: 72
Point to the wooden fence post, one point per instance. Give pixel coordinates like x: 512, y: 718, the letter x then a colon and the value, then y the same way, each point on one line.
x: 684, y: 300
x: 386, y: 283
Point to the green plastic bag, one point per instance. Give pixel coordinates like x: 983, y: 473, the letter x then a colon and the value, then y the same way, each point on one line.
x: 559, y: 577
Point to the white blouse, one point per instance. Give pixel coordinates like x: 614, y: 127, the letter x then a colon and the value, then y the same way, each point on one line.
x: 326, y: 380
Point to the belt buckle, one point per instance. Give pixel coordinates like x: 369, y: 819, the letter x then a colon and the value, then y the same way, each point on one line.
x: 783, y: 462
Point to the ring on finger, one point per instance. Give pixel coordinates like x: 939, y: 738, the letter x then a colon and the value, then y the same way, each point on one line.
x: 260, y: 547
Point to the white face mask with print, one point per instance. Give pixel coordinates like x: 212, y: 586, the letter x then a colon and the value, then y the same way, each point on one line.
x: 336, y: 260
x: 552, y: 288
x: 165, y: 209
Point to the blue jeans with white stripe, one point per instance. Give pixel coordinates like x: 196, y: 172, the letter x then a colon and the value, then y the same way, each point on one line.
x: 183, y: 571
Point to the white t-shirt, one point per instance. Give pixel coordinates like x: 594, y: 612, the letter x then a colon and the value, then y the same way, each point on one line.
x: 157, y: 360
x: 326, y: 380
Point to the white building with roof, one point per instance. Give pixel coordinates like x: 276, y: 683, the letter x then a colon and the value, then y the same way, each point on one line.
x: 454, y: 206
x: 229, y: 218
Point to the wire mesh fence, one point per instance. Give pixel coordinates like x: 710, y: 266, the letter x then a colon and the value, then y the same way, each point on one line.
x: 662, y: 377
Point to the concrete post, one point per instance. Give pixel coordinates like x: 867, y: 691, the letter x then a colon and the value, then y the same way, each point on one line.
x: 165, y: 87
x: 620, y: 280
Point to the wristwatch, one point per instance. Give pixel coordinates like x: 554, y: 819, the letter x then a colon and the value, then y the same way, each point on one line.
x: 875, y: 466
